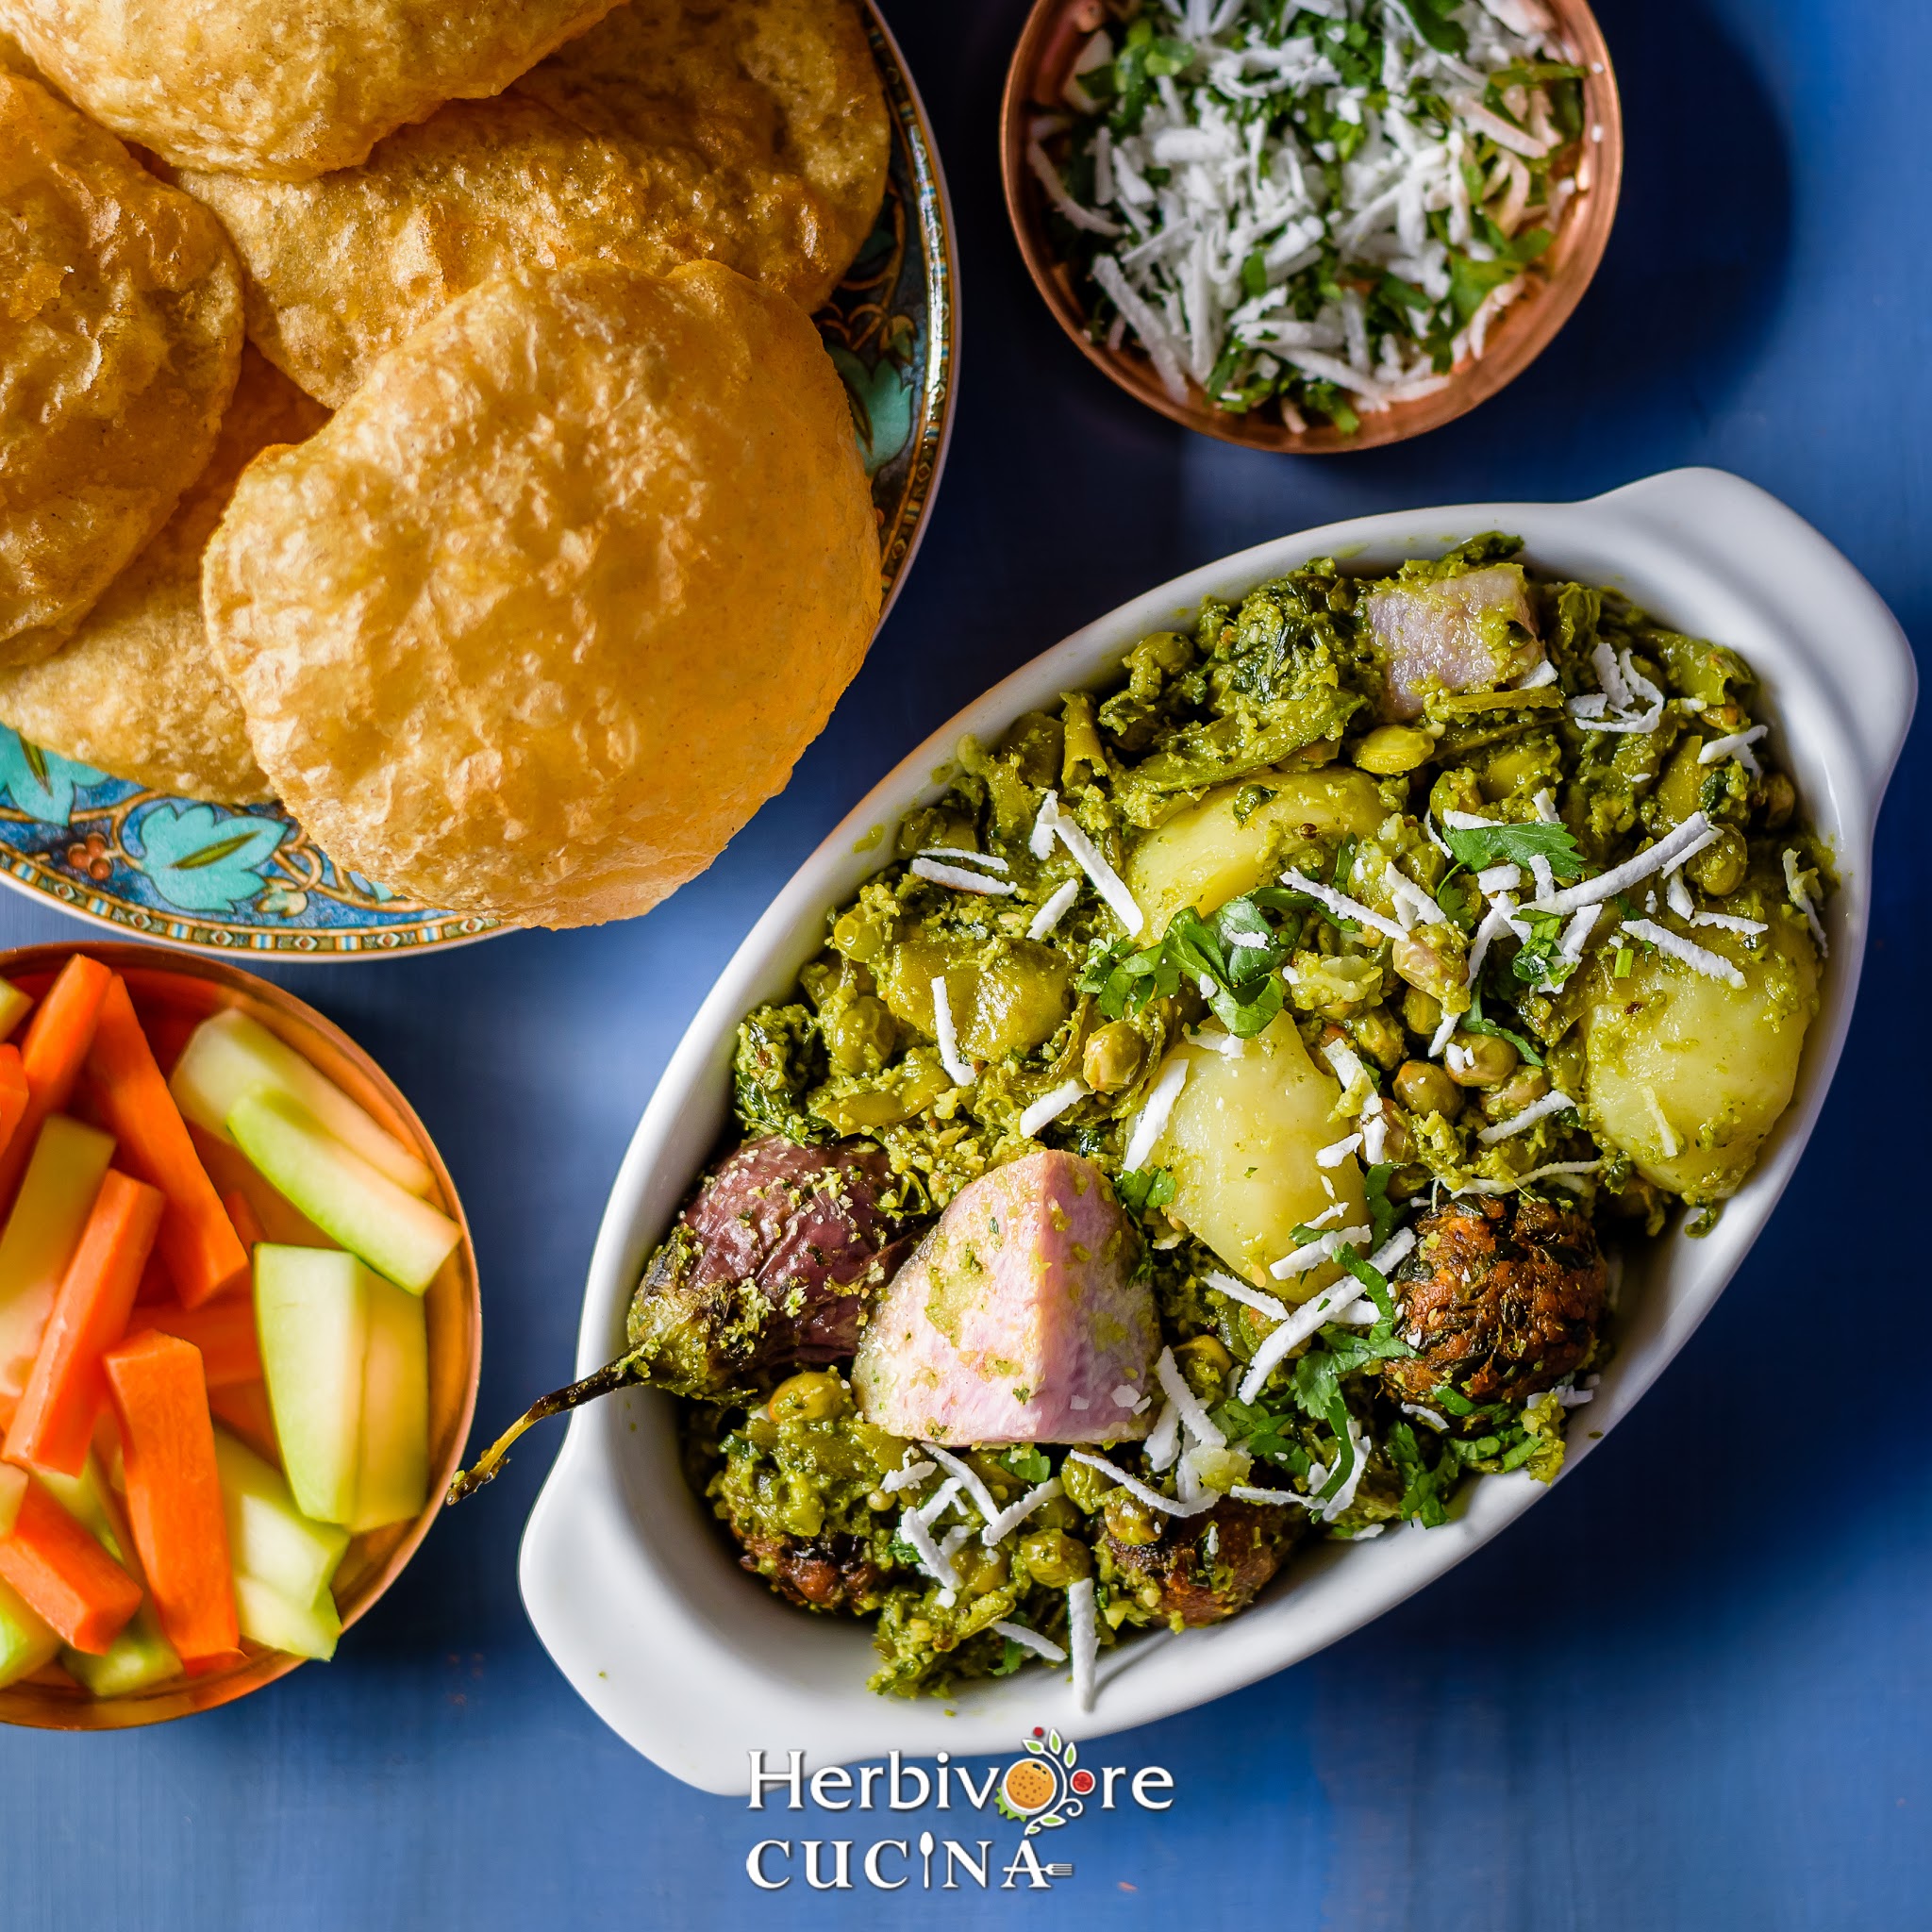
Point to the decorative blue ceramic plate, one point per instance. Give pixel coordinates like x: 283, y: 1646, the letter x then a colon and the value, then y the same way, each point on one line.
x: 252, y: 880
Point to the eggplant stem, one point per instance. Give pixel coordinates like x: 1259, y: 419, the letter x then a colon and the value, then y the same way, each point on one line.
x: 601, y: 1381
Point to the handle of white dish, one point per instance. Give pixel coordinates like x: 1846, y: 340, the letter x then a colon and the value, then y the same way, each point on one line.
x: 1767, y: 550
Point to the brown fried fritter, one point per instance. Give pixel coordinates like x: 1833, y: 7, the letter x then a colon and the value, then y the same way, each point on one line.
x: 752, y: 132
x: 827, y: 1573
x: 1507, y: 1293
x: 1177, y: 1576
x: 554, y: 603
x: 135, y: 690
x: 120, y: 337
x: 260, y: 87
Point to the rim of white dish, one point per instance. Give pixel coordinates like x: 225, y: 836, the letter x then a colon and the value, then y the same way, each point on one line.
x: 695, y: 1664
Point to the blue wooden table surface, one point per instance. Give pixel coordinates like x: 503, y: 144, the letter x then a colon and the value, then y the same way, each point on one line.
x: 1694, y: 1688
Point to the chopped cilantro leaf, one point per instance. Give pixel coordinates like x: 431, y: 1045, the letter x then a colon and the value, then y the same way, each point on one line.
x: 1012, y: 1657
x: 1236, y: 954
x: 1372, y: 1280
x: 1028, y: 1463
x: 1475, y: 1022
x: 1477, y: 846
x: 1140, y: 1189
x: 1382, y: 1210
x: 1538, y: 962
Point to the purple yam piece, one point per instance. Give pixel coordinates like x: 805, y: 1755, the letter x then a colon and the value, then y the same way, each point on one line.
x: 1019, y: 1319
x: 1450, y: 635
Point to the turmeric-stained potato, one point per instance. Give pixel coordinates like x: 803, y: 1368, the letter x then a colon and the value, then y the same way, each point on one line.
x: 1208, y: 855
x: 1241, y: 1145
x: 263, y: 86
x: 752, y: 133
x: 1687, y: 1075
x: 120, y: 333
x: 552, y: 604
x: 135, y: 691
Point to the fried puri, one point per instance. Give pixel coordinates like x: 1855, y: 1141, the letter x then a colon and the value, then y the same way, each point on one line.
x: 135, y: 691
x: 553, y: 604
x: 120, y: 336
x: 752, y: 132
x: 261, y: 87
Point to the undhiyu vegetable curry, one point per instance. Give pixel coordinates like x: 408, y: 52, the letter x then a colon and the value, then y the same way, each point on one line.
x: 1220, y: 1123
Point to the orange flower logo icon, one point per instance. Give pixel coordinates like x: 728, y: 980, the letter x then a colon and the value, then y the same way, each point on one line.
x: 1047, y: 1787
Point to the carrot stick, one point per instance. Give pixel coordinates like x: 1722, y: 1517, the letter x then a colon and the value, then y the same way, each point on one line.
x: 51, y: 1054
x: 55, y: 1422
x: 223, y: 1331
x: 13, y: 1093
x: 197, y: 1240
x: 247, y: 1223
x: 64, y: 1575
x: 156, y: 1284
x: 244, y: 1408
x: 174, y: 1492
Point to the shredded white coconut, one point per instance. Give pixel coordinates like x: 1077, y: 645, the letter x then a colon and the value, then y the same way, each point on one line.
x: 1054, y: 911
x: 1194, y: 1417
x: 1738, y: 745
x: 1270, y: 1304
x: 1801, y: 898
x: 1050, y: 1107
x: 1553, y: 1102
x: 1699, y: 959
x: 1341, y: 905
x: 1679, y: 844
x: 936, y: 1564
x: 1086, y: 855
x: 974, y: 1483
x: 1151, y: 1123
x: 1730, y: 922
x: 960, y: 880
x: 990, y: 860
x: 1083, y: 1636
x: 1029, y: 1640
x: 959, y: 1070
x: 1553, y: 1170
x: 1312, y: 1254
x: 1134, y: 1487
x: 907, y: 1475
x: 1002, y: 1525
x: 1163, y: 1442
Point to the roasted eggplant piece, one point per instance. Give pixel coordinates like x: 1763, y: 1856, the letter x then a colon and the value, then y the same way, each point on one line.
x: 770, y: 1268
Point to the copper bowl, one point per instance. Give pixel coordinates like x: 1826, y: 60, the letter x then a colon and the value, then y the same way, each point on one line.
x: 177, y: 990
x: 1052, y: 37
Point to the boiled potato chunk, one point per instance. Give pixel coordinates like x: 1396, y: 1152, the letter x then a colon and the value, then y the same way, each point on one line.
x: 1241, y: 1145
x: 1204, y: 856
x: 1007, y: 996
x: 1687, y: 1075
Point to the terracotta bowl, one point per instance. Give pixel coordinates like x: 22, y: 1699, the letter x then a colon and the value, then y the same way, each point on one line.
x: 1052, y: 37
x: 173, y: 992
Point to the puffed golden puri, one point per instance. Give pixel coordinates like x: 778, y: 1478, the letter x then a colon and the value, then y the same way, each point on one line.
x: 554, y: 603
x: 120, y: 336
x: 751, y: 132
x: 282, y: 89
x: 135, y: 691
